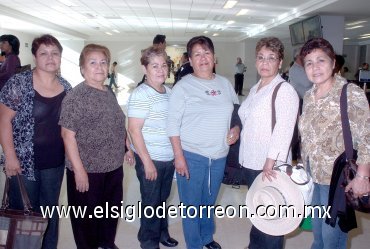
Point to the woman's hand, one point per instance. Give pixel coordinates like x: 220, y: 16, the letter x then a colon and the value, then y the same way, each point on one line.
x: 150, y: 172
x: 268, y: 170
x: 359, y: 187
x: 233, y: 135
x: 82, y: 180
x: 12, y: 166
x: 181, y: 167
x: 129, y: 157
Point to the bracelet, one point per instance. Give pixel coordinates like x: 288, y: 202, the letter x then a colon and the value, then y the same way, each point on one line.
x: 362, y: 177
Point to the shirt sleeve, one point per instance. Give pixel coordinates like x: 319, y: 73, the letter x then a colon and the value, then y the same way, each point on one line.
x: 176, y: 110
x: 359, y: 116
x: 11, y: 94
x: 138, y: 104
x: 286, y: 106
x: 70, y: 113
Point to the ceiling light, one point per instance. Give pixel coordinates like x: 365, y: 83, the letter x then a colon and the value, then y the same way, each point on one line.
x: 215, y: 34
x: 346, y: 38
x: 205, y: 32
x: 115, y: 31
x: 364, y: 37
x: 355, y: 27
x: 355, y: 23
x: 108, y: 33
x: 229, y: 4
x: 230, y: 22
x: 242, y: 12
x: 68, y: 3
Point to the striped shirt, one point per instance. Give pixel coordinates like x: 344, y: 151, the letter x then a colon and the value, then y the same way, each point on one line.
x: 147, y: 103
x: 200, y: 113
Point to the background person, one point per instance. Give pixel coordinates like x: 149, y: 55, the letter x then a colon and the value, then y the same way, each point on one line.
x: 113, y: 76
x: 199, y: 117
x: 240, y: 69
x: 147, y: 116
x: 9, y: 46
x: 261, y: 149
x: 298, y: 79
x: 94, y: 134
x: 322, y: 136
x: 30, y: 105
x: 185, y: 68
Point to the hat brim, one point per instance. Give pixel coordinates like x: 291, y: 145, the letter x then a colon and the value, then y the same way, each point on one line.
x: 279, y: 225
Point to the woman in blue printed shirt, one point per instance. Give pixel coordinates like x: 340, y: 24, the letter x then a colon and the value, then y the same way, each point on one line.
x: 30, y: 135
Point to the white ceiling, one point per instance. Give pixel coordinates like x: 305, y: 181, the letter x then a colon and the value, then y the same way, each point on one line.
x: 178, y: 19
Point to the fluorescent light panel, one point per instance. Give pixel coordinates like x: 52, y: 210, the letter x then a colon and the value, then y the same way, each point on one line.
x: 355, y: 23
x: 242, y: 12
x: 229, y: 4
x: 355, y: 27
x: 68, y: 3
x: 230, y: 22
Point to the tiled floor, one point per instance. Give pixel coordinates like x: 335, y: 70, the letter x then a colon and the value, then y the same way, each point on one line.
x: 230, y: 233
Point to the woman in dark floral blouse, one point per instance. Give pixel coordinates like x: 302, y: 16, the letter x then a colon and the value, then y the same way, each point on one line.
x: 30, y: 105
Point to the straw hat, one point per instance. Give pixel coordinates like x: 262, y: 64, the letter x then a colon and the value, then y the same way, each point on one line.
x: 266, y: 202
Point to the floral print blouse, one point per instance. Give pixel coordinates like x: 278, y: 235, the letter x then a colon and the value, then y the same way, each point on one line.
x: 321, y: 129
x: 18, y: 94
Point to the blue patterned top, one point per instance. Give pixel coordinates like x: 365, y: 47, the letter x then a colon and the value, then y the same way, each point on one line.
x: 18, y: 94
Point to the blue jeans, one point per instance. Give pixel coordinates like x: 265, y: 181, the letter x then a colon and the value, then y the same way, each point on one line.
x: 325, y: 236
x: 42, y: 192
x: 257, y: 238
x: 154, y: 193
x: 201, y: 189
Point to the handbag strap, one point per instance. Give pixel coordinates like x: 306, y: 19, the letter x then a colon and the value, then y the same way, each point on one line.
x: 274, y: 94
x: 347, y: 136
x: 26, y: 201
x: 289, y: 172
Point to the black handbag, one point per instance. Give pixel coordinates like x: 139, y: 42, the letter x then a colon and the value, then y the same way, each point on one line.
x: 20, y: 229
x: 347, y: 160
x: 233, y: 170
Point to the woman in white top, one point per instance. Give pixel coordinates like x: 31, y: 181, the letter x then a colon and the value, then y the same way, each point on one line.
x: 147, y: 116
x: 261, y: 144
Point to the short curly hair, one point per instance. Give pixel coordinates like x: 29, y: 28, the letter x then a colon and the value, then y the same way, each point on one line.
x: 272, y: 43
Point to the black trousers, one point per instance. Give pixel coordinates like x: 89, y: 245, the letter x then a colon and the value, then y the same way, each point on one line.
x: 239, y: 79
x: 154, y: 193
x: 104, y: 189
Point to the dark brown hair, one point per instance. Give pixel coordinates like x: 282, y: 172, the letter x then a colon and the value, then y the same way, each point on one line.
x: 272, y: 43
x: 46, y: 40
x: 203, y: 41
x: 318, y: 43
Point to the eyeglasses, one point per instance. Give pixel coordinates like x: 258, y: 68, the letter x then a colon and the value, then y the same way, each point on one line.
x: 269, y: 59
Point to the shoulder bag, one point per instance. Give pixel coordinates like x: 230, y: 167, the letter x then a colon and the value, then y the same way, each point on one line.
x: 20, y: 229
x: 297, y: 174
x: 347, y: 160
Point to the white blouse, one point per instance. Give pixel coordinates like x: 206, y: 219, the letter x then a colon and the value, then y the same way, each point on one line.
x: 257, y: 142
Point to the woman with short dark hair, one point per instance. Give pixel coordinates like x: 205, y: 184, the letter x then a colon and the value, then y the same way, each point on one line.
x: 262, y: 145
x: 9, y: 45
x: 30, y: 105
x: 200, y: 109
x: 322, y: 137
